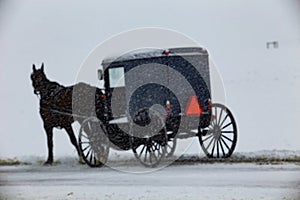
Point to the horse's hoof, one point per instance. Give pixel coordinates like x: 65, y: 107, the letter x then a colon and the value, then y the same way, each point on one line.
x: 48, y: 163
x: 81, y: 161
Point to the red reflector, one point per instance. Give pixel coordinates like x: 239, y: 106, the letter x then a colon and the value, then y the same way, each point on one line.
x: 193, y: 108
x: 167, y: 52
x: 168, y: 107
x: 102, y: 96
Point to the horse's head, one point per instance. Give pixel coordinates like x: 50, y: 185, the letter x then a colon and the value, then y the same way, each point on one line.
x: 38, y: 79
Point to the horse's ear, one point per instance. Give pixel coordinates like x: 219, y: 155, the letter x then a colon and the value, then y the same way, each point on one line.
x: 33, y: 68
x: 42, y: 68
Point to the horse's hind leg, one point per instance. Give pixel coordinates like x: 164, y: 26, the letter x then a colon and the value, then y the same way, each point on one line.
x: 74, y: 142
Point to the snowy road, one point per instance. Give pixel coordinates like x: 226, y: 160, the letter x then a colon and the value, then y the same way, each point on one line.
x: 199, y: 181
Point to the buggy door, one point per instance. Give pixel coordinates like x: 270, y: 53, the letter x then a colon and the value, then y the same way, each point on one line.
x: 146, y: 87
x: 116, y: 92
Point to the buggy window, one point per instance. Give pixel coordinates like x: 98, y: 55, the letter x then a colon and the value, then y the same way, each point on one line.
x: 116, y: 77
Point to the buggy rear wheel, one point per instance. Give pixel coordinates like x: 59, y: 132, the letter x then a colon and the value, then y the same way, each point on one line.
x: 219, y: 139
x: 93, y: 142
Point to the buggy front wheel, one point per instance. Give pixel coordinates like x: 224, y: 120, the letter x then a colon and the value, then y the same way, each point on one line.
x: 219, y: 139
x: 152, y: 151
x: 93, y: 142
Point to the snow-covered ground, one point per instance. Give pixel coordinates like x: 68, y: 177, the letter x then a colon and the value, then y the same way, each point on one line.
x: 184, y: 180
x: 200, y: 181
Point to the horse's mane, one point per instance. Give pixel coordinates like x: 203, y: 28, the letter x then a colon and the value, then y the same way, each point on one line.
x: 52, y: 88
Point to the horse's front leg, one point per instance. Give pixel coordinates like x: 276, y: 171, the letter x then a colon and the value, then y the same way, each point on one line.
x: 49, y: 133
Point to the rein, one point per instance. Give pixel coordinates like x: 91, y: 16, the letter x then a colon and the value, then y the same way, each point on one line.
x: 63, y: 113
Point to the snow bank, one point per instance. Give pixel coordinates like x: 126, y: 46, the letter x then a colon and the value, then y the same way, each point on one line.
x: 127, y: 158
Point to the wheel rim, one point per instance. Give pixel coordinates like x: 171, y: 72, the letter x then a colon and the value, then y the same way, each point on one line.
x: 221, y: 135
x: 172, y: 130
x: 170, y: 147
x: 93, y: 143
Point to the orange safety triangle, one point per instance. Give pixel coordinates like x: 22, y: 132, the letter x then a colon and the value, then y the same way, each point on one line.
x: 193, y: 107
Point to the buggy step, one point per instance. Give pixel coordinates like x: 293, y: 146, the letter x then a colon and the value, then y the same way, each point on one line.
x: 185, y: 135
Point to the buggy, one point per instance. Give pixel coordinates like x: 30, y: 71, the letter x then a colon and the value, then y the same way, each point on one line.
x: 151, y: 99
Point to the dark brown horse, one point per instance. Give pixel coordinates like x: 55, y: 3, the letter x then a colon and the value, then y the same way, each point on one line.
x: 60, y: 106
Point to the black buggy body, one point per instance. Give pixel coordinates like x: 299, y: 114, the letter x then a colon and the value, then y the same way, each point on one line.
x: 174, y: 78
x: 153, y: 97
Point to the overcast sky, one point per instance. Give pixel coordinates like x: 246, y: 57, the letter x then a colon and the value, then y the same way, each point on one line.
x: 262, y: 85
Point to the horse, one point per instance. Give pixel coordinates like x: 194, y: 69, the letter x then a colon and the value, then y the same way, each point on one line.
x: 60, y: 106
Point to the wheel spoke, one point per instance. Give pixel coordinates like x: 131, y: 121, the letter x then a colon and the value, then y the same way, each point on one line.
x: 216, y: 115
x: 156, y: 146
x: 208, y: 137
x: 220, y: 116
x: 150, y: 155
x: 88, y: 153
x: 95, y: 160
x: 142, y: 151
x: 84, y: 142
x: 217, y: 148
x: 159, y: 153
x: 226, y: 125
x: 210, y: 143
x: 86, y: 147
x: 155, y: 157
x: 227, y: 131
x: 222, y: 147
x: 224, y: 120
x: 145, y: 158
x: 225, y: 143
x: 85, y: 136
x: 227, y: 138
x: 213, y: 149
x: 89, y: 127
x: 91, y: 156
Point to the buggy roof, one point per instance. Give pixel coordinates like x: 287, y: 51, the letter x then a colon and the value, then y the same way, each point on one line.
x: 150, y: 53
